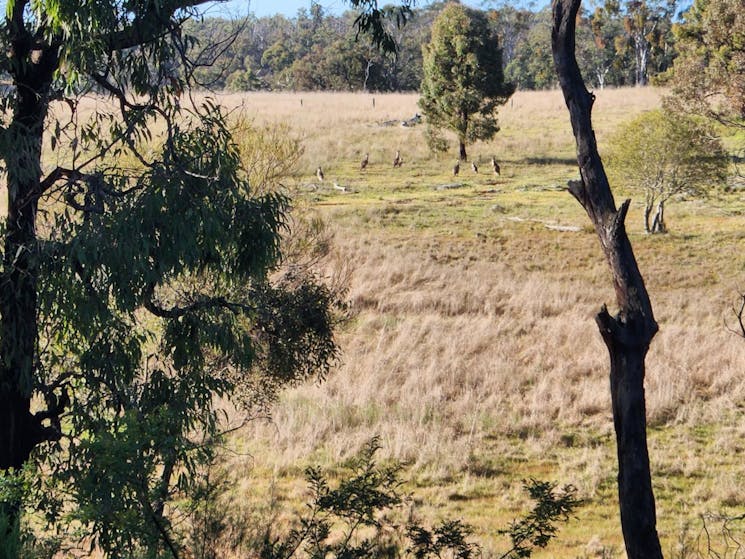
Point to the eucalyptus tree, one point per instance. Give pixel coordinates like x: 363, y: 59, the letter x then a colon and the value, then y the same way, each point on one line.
x: 140, y: 273
x: 463, y: 81
x: 709, y: 74
x: 648, y: 25
x: 532, y: 66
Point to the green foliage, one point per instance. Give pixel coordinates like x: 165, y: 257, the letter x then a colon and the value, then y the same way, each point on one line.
x: 352, y: 520
x: 463, y: 82
x: 19, y: 540
x: 318, y: 50
x: 314, y: 50
x: 618, y: 43
x: 663, y: 155
x: 336, y: 518
x: 243, y: 80
x: 11, y: 491
x: 709, y: 75
x: 647, y: 34
x: 538, y: 527
x: 449, y: 535
x: 597, y: 54
x: 146, y: 287
x: 435, y: 140
x: 194, y: 249
x: 532, y: 66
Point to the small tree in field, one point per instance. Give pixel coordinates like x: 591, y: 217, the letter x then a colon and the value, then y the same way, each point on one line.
x: 665, y: 155
x: 463, y: 81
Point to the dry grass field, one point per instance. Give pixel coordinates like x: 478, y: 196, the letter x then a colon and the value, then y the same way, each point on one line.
x: 471, y: 347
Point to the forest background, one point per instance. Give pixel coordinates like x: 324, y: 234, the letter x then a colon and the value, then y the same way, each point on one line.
x: 618, y: 44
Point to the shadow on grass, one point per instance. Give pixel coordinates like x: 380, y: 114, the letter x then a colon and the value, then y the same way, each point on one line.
x: 547, y: 161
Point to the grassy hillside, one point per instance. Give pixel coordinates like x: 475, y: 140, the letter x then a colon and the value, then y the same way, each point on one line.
x: 471, y: 347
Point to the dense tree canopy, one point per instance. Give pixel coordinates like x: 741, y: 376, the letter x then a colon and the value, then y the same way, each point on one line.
x: 618, y: 44
x: 531, y: 65
x: 463, y: 82
x: 709, y: 74
x: 312, y: 51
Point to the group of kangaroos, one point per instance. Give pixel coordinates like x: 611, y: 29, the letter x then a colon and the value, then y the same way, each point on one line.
x: 398, y: 162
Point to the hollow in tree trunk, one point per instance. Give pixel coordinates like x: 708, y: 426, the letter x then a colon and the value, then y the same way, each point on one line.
x: 628, y: 334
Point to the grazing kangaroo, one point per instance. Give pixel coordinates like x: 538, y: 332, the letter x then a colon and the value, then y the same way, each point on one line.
x: 495, y: 165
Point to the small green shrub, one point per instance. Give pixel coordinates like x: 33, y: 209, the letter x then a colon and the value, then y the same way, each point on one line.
x: 663, y: 155
x: 351, y: 520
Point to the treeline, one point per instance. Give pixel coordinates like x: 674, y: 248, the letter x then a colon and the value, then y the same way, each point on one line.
x: 312, y: 51
x: 619, y: 42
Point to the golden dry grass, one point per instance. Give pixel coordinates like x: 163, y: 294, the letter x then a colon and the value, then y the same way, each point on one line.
x: 339, y: 128
x: 472, y: 349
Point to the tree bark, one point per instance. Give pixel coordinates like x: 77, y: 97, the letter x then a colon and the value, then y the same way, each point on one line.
x: 647, y: 214
x: 463, y: 156
x: 20, y: 430
x: 627, y: 335
x: 658, y: 224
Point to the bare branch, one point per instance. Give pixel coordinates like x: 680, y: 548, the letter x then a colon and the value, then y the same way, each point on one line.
x: 740, y: 316
x: 57, y: 174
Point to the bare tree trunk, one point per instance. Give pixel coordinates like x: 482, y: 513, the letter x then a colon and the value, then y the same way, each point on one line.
x: 647, y: 214
x: 367, y: 77
x: 658, y: 224
x: 462, y: 145
x: 628, y: 334
x: 641, y: 49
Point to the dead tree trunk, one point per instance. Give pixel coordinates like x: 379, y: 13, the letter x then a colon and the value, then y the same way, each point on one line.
x: 628, y: 334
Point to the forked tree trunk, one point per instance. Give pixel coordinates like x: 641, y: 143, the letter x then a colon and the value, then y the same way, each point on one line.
x: 628, y: 334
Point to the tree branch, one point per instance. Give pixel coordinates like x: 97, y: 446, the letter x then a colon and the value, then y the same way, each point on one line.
x: 147, y: 27
x: 20, y: 38
x: 176, y: 311
x: 57, y: 174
